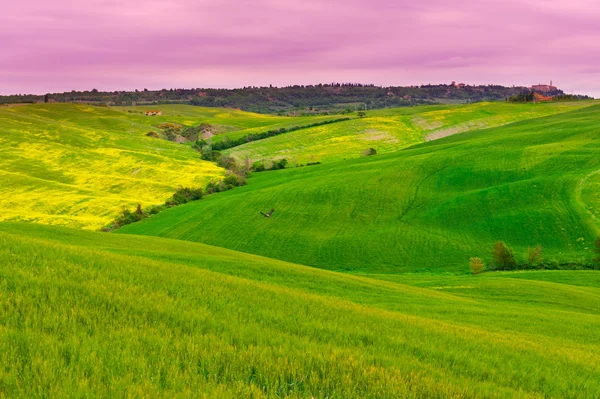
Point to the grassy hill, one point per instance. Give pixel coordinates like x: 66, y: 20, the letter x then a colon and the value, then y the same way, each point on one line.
x: 426, y: 208
x: 392, y: 129
x: 92, y: 314
x: 78, y: 165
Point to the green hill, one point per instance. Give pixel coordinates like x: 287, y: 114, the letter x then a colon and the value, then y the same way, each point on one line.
x: 392, y: 129
x: 103, y: 315
x: 426, y: 208
x: 78, y: 165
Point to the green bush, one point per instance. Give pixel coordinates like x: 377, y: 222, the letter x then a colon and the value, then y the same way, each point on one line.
x: 503, y: 257
x: 184, y: 195
x: 476, y: 265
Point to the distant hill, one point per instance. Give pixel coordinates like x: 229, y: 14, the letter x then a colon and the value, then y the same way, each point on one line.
x: 425, y: 208
x: 302, y: 99
x: 391, y: 129
x: 78, y: 165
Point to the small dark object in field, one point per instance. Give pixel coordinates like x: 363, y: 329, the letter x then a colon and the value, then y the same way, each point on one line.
x: 268, y: 215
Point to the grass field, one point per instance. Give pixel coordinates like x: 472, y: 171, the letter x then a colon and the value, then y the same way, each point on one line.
x: 392, y: 129
x: 426, y: 208
x: 154, y: 311
x: 78, y: 165
x: 97, y: 315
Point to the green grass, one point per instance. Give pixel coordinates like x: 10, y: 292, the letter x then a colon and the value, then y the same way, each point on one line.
x: 227, y: 122
x: 79, y: 165
x: 426, y: 208
x: 105, y: 315
x: 392, y: 129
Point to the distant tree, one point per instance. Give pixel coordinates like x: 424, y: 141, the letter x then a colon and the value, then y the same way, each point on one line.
x: 534, y: 255
x: 227, y: 162
x: 476, y: 265
x: 46, y: 99
x: 258, y: 166
x: 139, y: 210
x: 503, y: 257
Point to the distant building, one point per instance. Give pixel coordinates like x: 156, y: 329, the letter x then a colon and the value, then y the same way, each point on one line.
x: 153, y: 112
x: 544, y: 88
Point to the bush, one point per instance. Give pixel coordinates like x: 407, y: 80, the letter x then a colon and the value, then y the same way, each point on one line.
x: 534, y: 256
x: 234, y: 180
x: 279, y: 164
x: 184, y: 195
x: 503, y: 257
x: 368, y: 152
x: 476, y: 265
x: 258, y: 166
x: 226, y: 162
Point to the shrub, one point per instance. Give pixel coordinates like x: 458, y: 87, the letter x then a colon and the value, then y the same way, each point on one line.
x: 279, y: 164
x: 234, y: 180
x: 476, y: 265
x: 368, y: 152
x: 226, y: 162
x: 258, y: 166
x: 534, y: 256
x: 184, y: 195
x: 503, y: 257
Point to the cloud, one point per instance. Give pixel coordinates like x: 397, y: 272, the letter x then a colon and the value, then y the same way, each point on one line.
x: 108, y: 44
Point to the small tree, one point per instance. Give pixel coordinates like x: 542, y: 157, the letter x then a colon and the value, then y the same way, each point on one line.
x: 362, y: 114
x: 534, y: 255
x: 139, y: 210
x: 476, y: 265
x: 503, y: 257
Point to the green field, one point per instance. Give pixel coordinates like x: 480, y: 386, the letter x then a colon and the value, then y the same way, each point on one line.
x: 426, y: 208
x: 97, y: 315
x: 79, y: 165
x: 392, y: 129
x: 357, y: 287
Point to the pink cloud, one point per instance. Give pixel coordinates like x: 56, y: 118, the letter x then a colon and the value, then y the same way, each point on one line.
x: 108, y: 44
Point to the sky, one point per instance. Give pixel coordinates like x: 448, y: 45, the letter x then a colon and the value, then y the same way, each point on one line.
x: 63, y: 45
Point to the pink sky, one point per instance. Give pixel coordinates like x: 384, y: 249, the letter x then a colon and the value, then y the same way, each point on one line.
x: 60, y: 45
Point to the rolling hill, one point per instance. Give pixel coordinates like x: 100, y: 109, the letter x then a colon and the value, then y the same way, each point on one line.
x: 390, y: 130
x: 79, y: 165
x: 426, y: 208
x: 93, y: 314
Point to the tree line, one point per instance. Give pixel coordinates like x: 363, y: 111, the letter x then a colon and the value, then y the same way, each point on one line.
x: 503, y: 259
x: 303, y: 99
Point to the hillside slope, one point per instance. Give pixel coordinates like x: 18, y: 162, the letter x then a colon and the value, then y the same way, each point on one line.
x: 429, y: 207
x: 392, y: 129
x: 78, y: 165
x: 84, y: 313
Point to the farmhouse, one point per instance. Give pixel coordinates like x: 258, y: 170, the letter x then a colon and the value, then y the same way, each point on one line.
x: 153, y: 112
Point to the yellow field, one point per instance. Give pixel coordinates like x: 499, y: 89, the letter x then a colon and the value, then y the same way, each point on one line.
x: 77, y: 165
